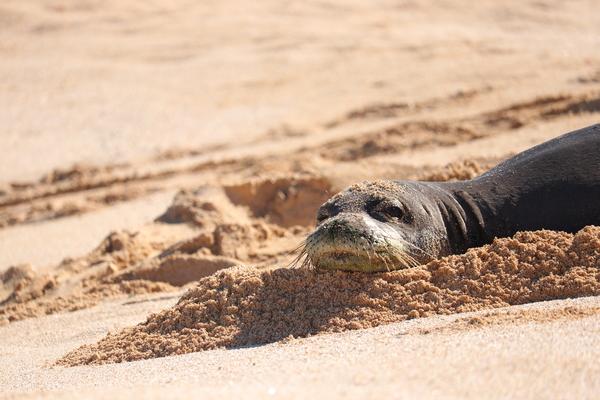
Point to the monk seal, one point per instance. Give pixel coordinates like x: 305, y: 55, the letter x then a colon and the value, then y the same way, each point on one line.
x: 387, y: 225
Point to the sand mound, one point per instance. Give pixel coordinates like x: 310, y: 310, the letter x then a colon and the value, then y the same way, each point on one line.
x: 459, y: 170
x: 20, y: 283
x: 256, y: 221
x: 398, y: 138
x: 179, y: 269
x: 244, y: 306
x: 285, y: 201
x: 80, y: 282
x: 42, y: 210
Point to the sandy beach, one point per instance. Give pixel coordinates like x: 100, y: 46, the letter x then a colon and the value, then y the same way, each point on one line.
x: 164, y: 159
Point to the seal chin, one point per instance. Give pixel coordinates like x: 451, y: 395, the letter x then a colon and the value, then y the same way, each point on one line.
x: 353, y: 243
x: 347, y: 260
x: 341, y: 259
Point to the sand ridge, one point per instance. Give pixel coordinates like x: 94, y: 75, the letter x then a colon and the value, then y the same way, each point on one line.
x: 83, y: 188
x: 508, y: 316
x: 243, y: 306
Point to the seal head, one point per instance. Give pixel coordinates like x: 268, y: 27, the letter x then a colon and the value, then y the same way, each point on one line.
x: 378, y: 226
x: 388, y: 225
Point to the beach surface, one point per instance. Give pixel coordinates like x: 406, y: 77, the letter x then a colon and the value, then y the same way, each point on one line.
x: 150, y: 145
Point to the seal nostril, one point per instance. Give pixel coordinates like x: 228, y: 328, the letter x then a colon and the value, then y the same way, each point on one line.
x: 326, y: 211
x: 321, y: 216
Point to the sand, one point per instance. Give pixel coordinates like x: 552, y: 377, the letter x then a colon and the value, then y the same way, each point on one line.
x: 245, y: 307
x: 534, y: 359
x: 152, y: 150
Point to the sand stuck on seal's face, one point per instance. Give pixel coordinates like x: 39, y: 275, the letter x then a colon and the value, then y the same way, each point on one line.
x: 243, y: 306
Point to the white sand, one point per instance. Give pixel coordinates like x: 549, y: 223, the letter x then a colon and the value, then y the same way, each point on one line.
x: 116, y: 80
x: 530, y: 360
x: 105, y: 82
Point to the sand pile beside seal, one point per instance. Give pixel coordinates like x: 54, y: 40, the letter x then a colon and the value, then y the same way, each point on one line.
x: 256, y: 221
x: 81, y: 282
x: 245, y: 306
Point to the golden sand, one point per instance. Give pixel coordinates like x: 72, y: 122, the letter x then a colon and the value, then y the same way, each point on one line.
x: 244, y: 306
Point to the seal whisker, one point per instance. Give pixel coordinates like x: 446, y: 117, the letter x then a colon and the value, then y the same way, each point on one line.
x: 409, y: 259
x: 369, y: 254
x: 302, y: 254
x: 307, y: 263
x: 299, y: 247
x: 405, y: 258
x: 399, y: 254
x: 385, y: 263
x: 418, y: 248
x: 404, y: 241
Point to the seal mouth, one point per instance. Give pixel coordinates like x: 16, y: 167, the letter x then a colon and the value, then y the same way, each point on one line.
x: 341, y: 259
x: 346, y: 248
x: 339, y: 255
x: 345, y: 259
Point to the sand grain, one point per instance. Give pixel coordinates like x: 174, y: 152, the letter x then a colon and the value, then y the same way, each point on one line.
x: 242, y: 306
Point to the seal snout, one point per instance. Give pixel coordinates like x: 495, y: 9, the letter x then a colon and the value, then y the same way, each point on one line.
x: 345, y: 233
x: 344, y: 225
x: 354, y: 242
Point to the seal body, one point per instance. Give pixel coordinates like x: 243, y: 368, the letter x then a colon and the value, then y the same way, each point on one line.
x: 385, y: 225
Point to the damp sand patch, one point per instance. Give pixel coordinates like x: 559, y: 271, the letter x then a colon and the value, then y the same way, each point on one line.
x: 243, y: 306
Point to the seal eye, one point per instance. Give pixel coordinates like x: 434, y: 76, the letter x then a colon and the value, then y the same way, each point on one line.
x: 393, y: 211
x: 389, y: 212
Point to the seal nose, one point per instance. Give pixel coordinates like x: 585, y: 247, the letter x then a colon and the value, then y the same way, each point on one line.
x: 344, y: 224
